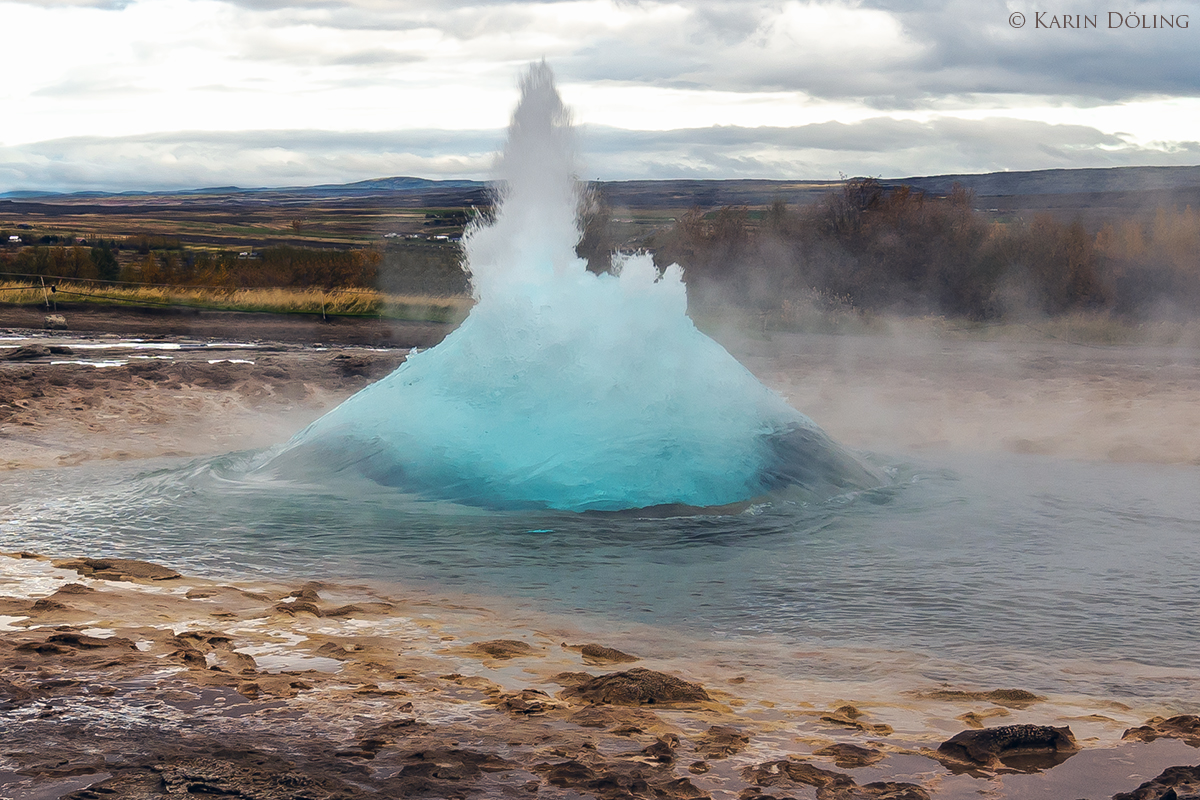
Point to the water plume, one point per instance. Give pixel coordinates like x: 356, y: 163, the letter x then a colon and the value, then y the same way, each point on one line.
x: 565, y: 389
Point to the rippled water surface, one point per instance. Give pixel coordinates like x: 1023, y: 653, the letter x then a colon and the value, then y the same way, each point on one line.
x: 1010, y: 566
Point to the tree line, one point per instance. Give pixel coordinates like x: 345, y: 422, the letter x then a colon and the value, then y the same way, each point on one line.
x: 425, y: 268
x: 162, y: 261
x: 866, y: 247
x: 899, y: 249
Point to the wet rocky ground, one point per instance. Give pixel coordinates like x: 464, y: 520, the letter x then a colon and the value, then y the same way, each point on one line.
x: 124, y: 679
x: 70, y: 398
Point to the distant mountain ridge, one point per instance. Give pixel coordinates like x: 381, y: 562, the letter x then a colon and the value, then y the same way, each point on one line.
x: 411, y: 191
x: 1061, y: 181
x: 400, y: 184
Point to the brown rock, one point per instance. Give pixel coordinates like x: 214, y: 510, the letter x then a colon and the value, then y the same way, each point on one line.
x: 721, y: 741
x: 754, y: 793
x: 74, y: 588
x: 614, y: 780
x: 308, y: 593
x: 1175, y: 783
x: 230, y: 661
x: 1039, y: 745
x: 25, y: 353
x: 503, y: 648
x: 620, y: 721
x: 450, y: 764
x: 597, y: 654
x: 14, y: 694
x: 663, y: 749
x: 204, y: 639
x: 224, y: 772
x: 189, y: 657
x: 526, y: 703
x: 572, y: 678
x: 848, y: 717
x: 118, y: 569
x: 784, y: 773
x: 372, y: 689
x: 566, y: 774
x: 850, y: 756
x: 47, y: 604
x: 1009, y: 698
x: 636, y: 687
x: 681, y: 789
x: 298, y: 607
x: 335, y: 650
x: 41, y: 648
x: 879, y: 790
x: 1185, y: 727
x: 358, y: 609
x: 79, y: 640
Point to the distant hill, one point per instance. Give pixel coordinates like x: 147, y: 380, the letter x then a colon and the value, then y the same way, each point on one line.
x: 1061, y: 181
x: 1092, y: 193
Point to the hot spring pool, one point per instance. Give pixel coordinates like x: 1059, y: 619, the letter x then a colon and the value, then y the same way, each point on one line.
x: 1057, y: 576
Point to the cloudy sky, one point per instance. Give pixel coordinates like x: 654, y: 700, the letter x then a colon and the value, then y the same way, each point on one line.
x: 151, y: 94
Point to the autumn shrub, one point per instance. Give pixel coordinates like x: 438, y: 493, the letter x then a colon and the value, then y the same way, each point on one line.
x: 878, y: 248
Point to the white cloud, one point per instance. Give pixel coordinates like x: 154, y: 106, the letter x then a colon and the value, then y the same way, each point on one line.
x: 197, y: 159
x: 130, y: 71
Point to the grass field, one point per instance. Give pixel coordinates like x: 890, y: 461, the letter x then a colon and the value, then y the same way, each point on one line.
x: 338, y: 302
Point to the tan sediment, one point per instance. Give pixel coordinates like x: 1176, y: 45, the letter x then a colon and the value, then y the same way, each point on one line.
x: 204, y: 672
x: 54, y: 415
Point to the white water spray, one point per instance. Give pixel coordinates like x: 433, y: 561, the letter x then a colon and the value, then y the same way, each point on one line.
x: 565, y: 389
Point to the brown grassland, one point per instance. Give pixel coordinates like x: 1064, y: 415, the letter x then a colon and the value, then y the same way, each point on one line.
x: 857, y: 252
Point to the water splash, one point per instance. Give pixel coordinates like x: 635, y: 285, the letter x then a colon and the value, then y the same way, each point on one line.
x: 565, y: 389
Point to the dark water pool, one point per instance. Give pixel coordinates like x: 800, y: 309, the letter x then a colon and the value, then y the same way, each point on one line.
x: 1059, y: 575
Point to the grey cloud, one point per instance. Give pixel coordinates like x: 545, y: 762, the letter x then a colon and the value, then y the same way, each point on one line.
x: 951, y: 48
x: 195, y: 159
x: 374, y: 56
x: 264, y: 49
x: 881, y: 146
x: 968, y: 46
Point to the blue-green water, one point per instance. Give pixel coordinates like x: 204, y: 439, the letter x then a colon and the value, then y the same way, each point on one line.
x: 1018, y: 567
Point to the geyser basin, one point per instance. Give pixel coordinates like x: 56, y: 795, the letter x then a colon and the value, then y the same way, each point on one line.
x: 565, y: 389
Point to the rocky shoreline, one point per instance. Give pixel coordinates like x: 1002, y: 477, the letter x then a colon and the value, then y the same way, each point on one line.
x: 69, y: 399
x: 120, y: 678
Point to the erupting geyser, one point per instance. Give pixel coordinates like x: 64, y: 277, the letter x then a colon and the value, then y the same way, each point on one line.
x: 569, y: 390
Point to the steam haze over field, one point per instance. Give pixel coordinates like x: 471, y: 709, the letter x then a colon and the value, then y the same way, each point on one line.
x: 190, y: 93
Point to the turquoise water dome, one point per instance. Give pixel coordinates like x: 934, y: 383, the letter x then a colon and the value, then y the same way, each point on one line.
x: 568, y: 390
